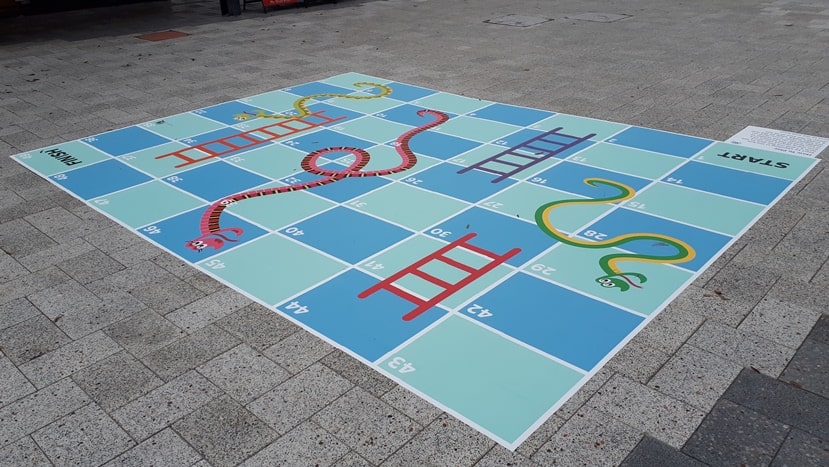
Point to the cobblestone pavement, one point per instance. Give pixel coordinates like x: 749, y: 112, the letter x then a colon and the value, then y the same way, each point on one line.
x: 116, y: 352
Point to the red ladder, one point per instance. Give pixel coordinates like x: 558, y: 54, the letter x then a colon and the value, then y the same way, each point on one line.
x: 250, y: 138
x: 449, y: 288
x: 537, y: 146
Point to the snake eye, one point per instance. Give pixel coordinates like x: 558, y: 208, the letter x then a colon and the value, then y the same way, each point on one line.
x: 608, y: 284
x: 199, y: 245
x: 605, y: 281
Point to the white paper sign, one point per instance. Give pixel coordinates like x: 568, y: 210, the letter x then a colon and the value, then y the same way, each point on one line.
x: 780, y: 141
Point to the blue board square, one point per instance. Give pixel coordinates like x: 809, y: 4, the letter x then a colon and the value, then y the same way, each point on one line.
x: 567, y: 176
x: 560, y: 322
x: 625, y: 221
x: 227, y: 112
x: 406, y: 114
x: 99, y: 179
x: 660, y: 141
x: 407, y: 93
x: 496, y: 232
x: 440, y: 146
x: 125, y: 140
x: 346, y: 234
x: 217, y: 180
x: 729, y: 182
x: 471, y: 186
x: 369, y: 327
x: 332, y: 111
x: 326, y: 139
x: 343, y: 189
x: 173, y: 233
x: 511, y: 114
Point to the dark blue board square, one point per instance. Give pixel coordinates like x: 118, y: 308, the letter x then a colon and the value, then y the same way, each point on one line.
x: 496, y: 232
x: 369, y: 327
x: 346, y: 234
x: 100, y: 179
x: 567, y: 176
x: 173, y: 233
x: 471, y: 186
x: 316, y: 87
x: 738, y: 184
x: 343, y: 189
x: 660, y: 141
x: 560, y: 322
x: 214, y: 181
x: 439, y: 145
x: 407, y: 92
x: 326, y: 139
x: 125, y: 140
x: 511, y: 114
x: 407, y: 115
x: 227, y: 112
x: 619, y: 222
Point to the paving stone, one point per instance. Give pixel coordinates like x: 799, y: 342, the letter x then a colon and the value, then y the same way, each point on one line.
x: 90, y: 266
x: 86, y: 436
x: 58, y: 223
x: 541, y: 435
x: 164, y: 448
x: 588, y: 438
x: 800, y: 293
x: 352, y: 459
x: 358, y: 373
x: 243, y: 373
x: 116, y: 380
x: 59, y: 363
x: 189, y: 352
x: 808, y: 369
x: 574, y: 403
x: 24, y: 452
x: 39, y: 409
x: 151, y: 413
x: 307, y: 444
x: 820, y: 331
x: 13, y: 385
x: 733, y: 435
x: 122, y: 245
x: 56, y: 254
x: 784, y: 323
x: 743, y: 348
x: 638, y: 361
x: 224, y: 432
x: 298, y: 351
x: 207, y: 310
x: 412, y: 405
x: 780, y: 401
x: 367, y: 425
x: 144, y: 333
x: 10, y: 268
x: 695, y: 376
x: 31, y: 283
x: 257, y: 326
x: 446, y: 441
x: 802, y: 449
x: 16, y: 311
x: 651, y: 451
x: 30, y: 339
x: 500, y: 456
x: 298, y: 398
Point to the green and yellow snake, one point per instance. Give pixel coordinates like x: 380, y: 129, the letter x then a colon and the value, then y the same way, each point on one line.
x: 614, y: 276
x: 301, y: 108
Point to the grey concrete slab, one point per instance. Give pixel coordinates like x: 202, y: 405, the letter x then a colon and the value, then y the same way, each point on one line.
x: 164, y: 405
x: 446, y: 441
x: 243, y: 373
x: 651, y: 451
x: 733, y: 434
x: 300, y: 397
x: 39, y: 409
x: 116, y: 380
x: 24, y: 285
x: 10, y: 268
x: 808, y: 369
x: 352, y: 459
x: 144, y: 332
x: 16, y: 311
x: 189, y: 352
x: 307, y: 444
x: 781, y: 322
x: 411, y: 405
x: 209, y: 309
x: 257, y: 326
x: 20, y: 238
x: 500, y: 456
x: 743, y: 348
x: 298, y: 351
x: 90, y: 266
x: 224, y: 432
x: 13, y: 385
x: 59, y: 363
x: 164, y: 448
x: 802, y: 449
x: 367, y: 425
x: 638, y: 361
x: 24, y: 452
x: 32, y: 338
x: 359, y: 374
x: 541, y: 435
x: 86, y: 436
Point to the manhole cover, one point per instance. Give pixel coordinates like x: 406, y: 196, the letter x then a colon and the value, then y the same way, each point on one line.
x: 162, y: 36
x: 517, y: 20
x: 598, y: 17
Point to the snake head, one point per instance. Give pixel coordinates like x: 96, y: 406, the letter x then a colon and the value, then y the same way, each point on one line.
x: 622, y: 281
x: 215, y: 240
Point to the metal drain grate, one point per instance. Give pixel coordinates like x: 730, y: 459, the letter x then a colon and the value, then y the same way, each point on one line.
x: 598, y: 17
x: 518, y: 20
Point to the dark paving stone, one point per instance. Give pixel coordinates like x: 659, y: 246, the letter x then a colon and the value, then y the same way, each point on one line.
x: 802, y: 450
x: 30, y: 339
x: 781, y: 401
x: 735, y: 435
x: 651, y: 451
x: 820, y: 333
x: 809, y: 368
